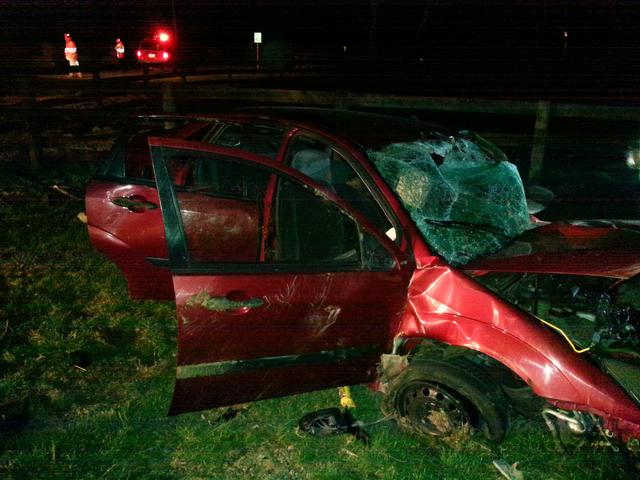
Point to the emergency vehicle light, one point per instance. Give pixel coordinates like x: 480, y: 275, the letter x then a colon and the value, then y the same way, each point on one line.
x: 163, y: 36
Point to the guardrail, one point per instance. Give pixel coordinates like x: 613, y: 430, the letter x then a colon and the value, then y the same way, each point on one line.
x: 170, y: 89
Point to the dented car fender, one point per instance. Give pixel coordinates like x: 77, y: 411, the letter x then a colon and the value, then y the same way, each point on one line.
x: 446, y: 305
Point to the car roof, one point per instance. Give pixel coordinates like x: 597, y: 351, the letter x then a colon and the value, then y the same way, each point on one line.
x: 370, y: 130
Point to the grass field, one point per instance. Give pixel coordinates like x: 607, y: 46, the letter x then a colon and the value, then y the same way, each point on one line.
x: 86, y: 380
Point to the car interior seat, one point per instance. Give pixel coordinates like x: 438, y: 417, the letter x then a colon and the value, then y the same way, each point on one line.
x: 311, y: 228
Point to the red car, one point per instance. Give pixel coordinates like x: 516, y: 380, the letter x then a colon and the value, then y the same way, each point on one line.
x: 311, y: 248
x: 155, y: 50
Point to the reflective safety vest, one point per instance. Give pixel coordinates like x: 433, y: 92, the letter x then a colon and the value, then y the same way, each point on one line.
x: 119, y: 50
x: 70, y: 51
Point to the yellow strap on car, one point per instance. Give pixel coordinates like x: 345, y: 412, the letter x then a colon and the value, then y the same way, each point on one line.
x: 345, y: 398
x: 566, y: 337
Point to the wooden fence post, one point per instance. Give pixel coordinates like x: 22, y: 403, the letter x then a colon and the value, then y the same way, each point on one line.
x: 169, y: 103
x: 543, y: 112
x: 32, y: 133
x: 168, y: 98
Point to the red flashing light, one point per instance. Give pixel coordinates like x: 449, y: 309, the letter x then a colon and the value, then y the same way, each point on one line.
x: 163, y: 36
x: 165, y: 55
x: 139, y: 53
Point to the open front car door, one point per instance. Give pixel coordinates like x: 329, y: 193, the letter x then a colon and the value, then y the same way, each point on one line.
x: 280, y: 287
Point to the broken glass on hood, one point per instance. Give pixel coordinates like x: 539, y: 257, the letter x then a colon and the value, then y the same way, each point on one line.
x: 466, y: 199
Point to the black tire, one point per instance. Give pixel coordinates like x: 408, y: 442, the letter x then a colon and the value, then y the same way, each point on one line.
x: 437, y: 398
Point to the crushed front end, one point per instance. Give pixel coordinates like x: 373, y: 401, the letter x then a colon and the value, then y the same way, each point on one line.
x: 543, y: 300
x: 599, y: 318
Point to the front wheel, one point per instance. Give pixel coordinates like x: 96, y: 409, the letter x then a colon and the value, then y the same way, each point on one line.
x: 438, y: 398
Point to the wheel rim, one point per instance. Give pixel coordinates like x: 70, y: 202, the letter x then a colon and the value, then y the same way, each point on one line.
x: 432, y: 409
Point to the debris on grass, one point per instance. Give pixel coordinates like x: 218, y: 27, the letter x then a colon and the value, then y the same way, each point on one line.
x: 508, y: 471
x: 349, y: 453
x: 64, y: 190
x: 331, y: 421
x: 227, y: 415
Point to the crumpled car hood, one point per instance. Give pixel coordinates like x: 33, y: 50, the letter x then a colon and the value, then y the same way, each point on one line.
x: 599, y: 248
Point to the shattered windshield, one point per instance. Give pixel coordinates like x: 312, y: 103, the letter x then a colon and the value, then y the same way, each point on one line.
x: 466, y: 199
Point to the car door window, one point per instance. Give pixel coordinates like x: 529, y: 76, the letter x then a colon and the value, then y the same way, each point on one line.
x: 137, y: 160
x: 235, y: 212
x: 309, y: 229
x: 258, y: 138
x: 329, y: 167
x: 129, y: 158
x: 220, y: 205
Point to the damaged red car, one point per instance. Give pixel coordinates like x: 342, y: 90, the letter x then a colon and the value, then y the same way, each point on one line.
x: 339, y: 248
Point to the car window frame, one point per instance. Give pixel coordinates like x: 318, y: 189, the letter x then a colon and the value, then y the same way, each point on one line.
x: 114, y: 165
x: 179, y: 261
x: 359, y: 170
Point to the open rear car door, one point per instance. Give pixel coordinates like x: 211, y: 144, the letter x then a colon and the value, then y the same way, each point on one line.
x: 280, y: 289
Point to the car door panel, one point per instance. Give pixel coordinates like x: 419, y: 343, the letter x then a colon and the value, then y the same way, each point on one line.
x: 220, y: 229
x: 256, y: 328
x: 125, y: 224
x: 331, y: 309
x: 306, y: 322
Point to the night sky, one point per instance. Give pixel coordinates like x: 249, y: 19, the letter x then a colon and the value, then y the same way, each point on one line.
x: 401, y: 25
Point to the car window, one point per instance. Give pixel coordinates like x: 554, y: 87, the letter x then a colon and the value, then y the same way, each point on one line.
x: 137, y: 159
x: 213, y: 175
x: 261, y: 139
x: 131, y: 153
x: 220, y: 206
x: 307, y: 228
x: 229, y: 214
x: 329, y: 167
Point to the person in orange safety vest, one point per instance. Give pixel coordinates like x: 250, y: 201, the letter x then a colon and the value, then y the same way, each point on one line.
x: 119, y: 48
x: 71, y: 54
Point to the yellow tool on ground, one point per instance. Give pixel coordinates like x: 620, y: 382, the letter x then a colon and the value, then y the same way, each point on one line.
x: 345, y: 398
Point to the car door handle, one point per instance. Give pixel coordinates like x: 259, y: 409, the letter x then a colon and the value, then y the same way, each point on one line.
x: 135, y: 203
x: 235, y: 302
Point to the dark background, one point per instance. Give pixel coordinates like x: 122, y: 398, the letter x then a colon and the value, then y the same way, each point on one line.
x: 463, y: 49
x: 465, y: 37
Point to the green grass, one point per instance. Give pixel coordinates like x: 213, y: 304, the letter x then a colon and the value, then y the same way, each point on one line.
x: 94, y: 374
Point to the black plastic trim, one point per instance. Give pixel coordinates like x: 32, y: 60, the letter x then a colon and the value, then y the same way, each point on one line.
x: 228, y: 367
x: 176, y: 240
x: 159, y: 262
x: 267, y: 268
